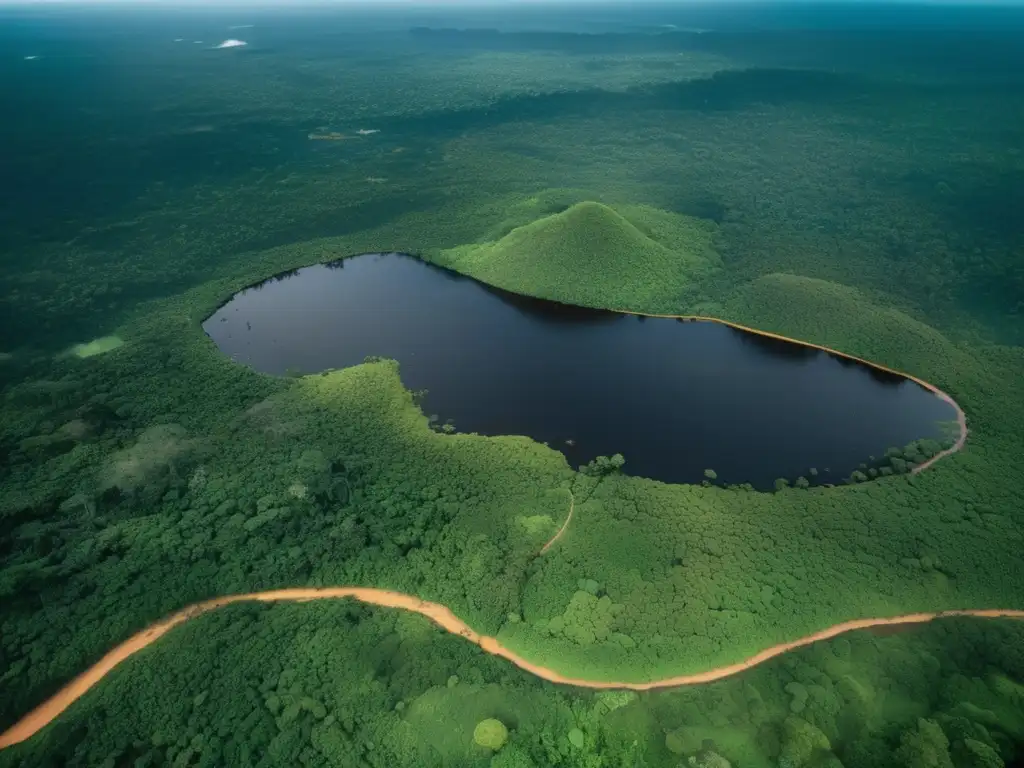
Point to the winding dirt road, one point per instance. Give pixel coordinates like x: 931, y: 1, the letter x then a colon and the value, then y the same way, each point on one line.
x: 49, y: 710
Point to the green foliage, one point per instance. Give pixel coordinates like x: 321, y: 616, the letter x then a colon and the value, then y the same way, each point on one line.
x: 603, y: 465
x: 925, y: 746
x: 592, y: 255
x: 158, y: 451
x: 95, y: 347
x: 675, y: 742
x: 802, y: 743
x: 976, y: 754
x: 576, y: 738
x: 512, y: 757
x: 491, y: 734
x: 708, y: 758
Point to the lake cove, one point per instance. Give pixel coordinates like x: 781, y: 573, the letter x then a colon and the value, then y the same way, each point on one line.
x: 675, y: 398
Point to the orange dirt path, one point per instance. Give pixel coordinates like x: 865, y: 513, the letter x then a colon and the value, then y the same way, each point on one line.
x: 50, y: 709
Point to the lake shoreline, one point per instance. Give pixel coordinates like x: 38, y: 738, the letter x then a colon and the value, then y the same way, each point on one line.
x: 961, y: 417
x: 736, y: 380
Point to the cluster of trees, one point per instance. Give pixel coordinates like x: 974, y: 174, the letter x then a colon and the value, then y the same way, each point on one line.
x: 895, y: 461
x: 603, y: 465
x: 898, y: 461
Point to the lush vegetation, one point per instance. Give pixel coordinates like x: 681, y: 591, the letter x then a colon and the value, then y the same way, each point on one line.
x: 139, y: 471
x: 591, y: 255
x: 340, y: 684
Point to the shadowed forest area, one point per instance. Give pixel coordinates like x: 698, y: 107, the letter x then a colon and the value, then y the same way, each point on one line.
x: 847, y: 177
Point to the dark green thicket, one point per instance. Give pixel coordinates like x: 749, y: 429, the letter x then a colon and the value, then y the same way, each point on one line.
x: 155, y: 474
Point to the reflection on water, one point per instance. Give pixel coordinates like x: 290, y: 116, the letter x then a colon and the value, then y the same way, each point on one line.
x: 777, y: 347
x: 550, y: 311
x: 675, y: 398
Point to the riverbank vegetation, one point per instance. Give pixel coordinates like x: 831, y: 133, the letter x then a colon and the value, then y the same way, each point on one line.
x: 812, y: 203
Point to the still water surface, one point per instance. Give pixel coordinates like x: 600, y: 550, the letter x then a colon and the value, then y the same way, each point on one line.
x: 675, y: 398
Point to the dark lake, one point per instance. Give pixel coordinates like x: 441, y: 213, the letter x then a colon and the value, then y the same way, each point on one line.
x: 675, y: 398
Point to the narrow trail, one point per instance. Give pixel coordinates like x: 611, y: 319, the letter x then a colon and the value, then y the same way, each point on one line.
x: 50, y: 709
x: 568, y: 519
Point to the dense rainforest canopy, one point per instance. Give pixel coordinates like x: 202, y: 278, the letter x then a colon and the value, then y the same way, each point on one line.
x: 770, y: 185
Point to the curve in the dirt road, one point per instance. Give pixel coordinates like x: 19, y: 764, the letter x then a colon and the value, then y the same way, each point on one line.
x: 52, y: 708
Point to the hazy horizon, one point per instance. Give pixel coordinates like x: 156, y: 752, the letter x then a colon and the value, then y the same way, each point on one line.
x: 487, y: 3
